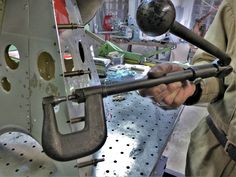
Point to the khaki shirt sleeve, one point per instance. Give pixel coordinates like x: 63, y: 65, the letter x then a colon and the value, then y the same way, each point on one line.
x: 218, y: 34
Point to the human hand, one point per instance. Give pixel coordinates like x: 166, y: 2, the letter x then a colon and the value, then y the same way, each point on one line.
x: 173, y: 94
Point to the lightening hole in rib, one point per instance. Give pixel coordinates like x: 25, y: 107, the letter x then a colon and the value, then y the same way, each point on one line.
x: 81, y: 51
x: 6, y: 85
x: 12, y: 57
x: 46, y: 66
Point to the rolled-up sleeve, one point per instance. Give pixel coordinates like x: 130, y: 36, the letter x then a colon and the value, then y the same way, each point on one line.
x: 220, y: 33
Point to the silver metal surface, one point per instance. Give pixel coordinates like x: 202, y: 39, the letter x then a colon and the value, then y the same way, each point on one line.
x: 2, y: 3
x: 21, y: 155
x: 30, y: 27
x: 138, y: 131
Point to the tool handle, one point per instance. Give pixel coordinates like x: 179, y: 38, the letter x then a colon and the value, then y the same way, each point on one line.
x: 156, y: 17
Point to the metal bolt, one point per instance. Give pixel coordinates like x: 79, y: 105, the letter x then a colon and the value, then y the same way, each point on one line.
x: 69, y: 26
x: 76, y: 73
x: 89, y: 163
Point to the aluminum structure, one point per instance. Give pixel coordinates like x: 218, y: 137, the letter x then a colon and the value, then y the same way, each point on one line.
x: 37, y: 68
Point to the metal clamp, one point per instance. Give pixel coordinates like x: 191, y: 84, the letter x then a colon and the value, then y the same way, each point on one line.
x: 65, y: 147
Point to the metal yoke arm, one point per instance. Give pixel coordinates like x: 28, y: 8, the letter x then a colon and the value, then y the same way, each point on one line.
x: 78, y: 144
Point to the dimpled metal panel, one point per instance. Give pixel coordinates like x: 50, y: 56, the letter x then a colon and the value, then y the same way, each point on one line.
x: 138, y: 131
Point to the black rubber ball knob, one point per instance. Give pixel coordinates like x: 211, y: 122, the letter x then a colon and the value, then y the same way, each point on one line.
x: 155, y: 17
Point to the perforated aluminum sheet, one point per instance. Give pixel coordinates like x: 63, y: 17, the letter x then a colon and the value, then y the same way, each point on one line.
x: 20, y: 155
x: 138, y: 131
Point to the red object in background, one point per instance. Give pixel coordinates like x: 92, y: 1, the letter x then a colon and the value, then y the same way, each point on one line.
x: 62, y: 16
x: 107, y: 26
